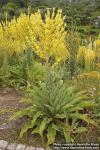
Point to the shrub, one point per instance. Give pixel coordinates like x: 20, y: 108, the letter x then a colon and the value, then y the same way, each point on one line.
x: 46, y: 37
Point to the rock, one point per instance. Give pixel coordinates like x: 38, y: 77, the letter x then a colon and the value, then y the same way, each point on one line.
x: 3, y: 144
x: 30, y: 148
x: 39, y: 148
x: 20, y: 147
x: 11, y: 146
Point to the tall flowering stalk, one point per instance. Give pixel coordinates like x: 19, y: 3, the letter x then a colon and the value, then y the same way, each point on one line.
x: 46, y: 37
x: 86, y: 57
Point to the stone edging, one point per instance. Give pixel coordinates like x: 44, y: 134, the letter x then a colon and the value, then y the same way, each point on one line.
x: 4, y: 145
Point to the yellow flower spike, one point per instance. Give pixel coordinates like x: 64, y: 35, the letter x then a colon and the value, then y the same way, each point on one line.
x: 51, y: 35
x: 53, y: 13
x: 92, y: 75
x: 86, y: 57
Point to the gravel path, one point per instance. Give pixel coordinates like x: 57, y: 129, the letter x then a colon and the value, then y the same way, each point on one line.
x: 9, y: 130
x: 4, y: 145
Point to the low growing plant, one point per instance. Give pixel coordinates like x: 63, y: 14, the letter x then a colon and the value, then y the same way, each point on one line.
x: 54, y: 109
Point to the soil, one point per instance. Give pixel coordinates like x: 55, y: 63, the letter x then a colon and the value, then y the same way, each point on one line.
x: 9, y: 130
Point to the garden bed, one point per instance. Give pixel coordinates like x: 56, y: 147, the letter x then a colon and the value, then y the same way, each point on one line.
x: 9, y: 130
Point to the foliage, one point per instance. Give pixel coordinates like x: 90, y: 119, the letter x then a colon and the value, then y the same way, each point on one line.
x: 73, y: 42
x: 97, y: 98
x: 21, y: 71
x: 56, y: 108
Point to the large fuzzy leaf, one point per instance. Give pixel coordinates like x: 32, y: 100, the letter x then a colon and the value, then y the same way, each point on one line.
x: 38, y: 114
x: 30, y: 124
x: 60, y: 116
x: 56, y: 127
x: 67, y: 133
x: 84, y: 117
x: 78, y: 99
x: 43, y: 125
x: 88, y: 119
x: 80, y: 130
x: 86, y: 104
x: 66, y: 106
x: 66, y: 130
x: 50, y: 108
x: 74, y: 108
x: 51, y: 135
x: 36, y: 130
x: 26, y: 127
x: 19, y: 114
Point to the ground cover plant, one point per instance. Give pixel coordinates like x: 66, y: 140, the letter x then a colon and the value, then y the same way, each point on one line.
x: 56, y: 108
x: 58, y: 72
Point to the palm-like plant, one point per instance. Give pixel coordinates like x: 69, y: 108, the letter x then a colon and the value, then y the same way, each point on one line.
x: 55, y: 107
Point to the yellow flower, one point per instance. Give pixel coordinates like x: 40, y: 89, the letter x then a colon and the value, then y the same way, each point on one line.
x: 93, y: 75
x: 86, y: 57
x: 46, y: 37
